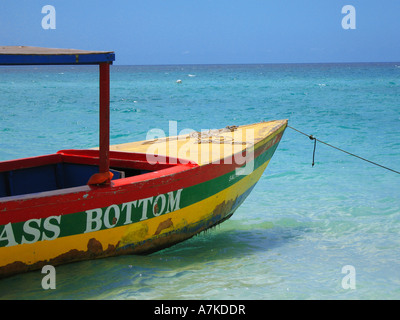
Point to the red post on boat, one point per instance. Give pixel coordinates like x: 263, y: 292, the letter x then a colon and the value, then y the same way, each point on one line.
x: 26, y: 55
x: 104, y: 142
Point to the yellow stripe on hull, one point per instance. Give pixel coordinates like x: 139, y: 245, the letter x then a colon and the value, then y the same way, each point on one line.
x: 138, y: 237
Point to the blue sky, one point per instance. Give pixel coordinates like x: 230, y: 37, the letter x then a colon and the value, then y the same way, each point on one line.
x: 205, y: 31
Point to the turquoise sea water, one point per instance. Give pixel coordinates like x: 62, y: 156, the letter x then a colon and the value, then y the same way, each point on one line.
x: 300, y: 225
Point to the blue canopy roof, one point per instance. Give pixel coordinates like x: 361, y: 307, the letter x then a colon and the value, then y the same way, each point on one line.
x: 25, y: 55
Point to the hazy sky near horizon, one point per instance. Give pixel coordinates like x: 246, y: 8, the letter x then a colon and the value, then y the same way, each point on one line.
x: 208, y: 32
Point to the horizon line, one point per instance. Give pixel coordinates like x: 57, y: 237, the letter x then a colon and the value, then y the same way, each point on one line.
x: 252, y: 63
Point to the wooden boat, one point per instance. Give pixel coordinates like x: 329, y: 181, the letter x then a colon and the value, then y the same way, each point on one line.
x: 132, y: 198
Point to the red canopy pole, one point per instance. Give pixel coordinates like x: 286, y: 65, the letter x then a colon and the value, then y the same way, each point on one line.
x: 104, y: 164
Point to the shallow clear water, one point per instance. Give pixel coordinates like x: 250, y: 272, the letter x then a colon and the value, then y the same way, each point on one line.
x: 300, y: 225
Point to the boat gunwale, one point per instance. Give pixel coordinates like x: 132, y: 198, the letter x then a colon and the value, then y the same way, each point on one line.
x: 169, y: 169
x: 173, y: 168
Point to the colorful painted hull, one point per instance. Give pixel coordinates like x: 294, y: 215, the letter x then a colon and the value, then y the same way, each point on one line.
x: 191, y: 183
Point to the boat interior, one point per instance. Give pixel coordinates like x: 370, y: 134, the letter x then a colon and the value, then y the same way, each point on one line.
x: 67, y: 169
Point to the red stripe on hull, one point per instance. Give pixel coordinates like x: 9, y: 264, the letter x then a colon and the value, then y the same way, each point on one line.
x: 121, y: 191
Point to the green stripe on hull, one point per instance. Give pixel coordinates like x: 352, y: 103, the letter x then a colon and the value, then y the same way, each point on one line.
x: 54, y: 227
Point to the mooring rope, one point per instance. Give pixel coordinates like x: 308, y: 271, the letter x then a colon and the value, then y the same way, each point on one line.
x: 311, y: 137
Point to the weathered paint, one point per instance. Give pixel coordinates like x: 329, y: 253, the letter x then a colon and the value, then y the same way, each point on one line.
x: 144, y: 214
